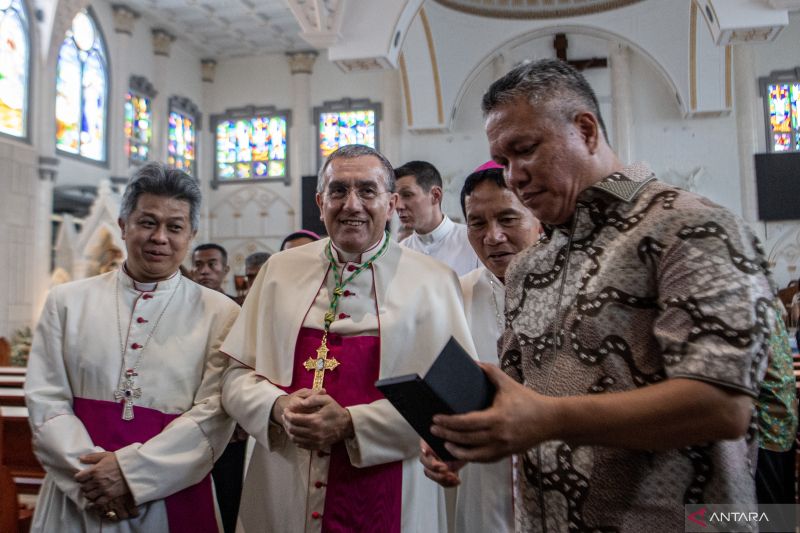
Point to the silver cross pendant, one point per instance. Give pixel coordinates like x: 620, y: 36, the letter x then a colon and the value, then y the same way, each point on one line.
x: 127, y: 393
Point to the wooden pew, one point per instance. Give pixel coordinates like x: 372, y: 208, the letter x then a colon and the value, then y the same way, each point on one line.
x: 13, y: 370
x: 17, y: 450
x: 12, y: 396
x: 12, y: 381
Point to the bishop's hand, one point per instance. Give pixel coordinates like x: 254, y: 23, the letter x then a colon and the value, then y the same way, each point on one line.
x: 317, y: 421
x: 103, y: 481
x: 445, y: 473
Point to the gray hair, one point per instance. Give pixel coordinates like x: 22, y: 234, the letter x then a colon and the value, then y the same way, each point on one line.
x: 546, y: 80
x: 256, y: 259
x: 351, y: 151
x: 156, y: 178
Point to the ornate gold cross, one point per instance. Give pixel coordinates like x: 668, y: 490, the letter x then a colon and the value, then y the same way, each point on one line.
x: 320, y: 364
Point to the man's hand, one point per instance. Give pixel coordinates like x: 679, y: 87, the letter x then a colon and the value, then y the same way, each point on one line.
x: 518, y: 419
x: 120, y: 508
x: 103, y: 481
x: 317, y: 421
x: 290, y: 400
x: 442, y: 472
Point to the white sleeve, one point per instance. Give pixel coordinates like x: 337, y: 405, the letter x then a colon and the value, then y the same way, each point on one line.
x: 382, y: 435
x: 184, y: 452
x: 59, y: 437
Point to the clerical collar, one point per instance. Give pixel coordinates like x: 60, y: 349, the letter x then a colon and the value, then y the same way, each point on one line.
x: 355, y: 257
x: 438, y: 232
x: 494, y: 278
x: 130, y: 283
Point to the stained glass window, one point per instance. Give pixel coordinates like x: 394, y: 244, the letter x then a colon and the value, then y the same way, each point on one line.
x: 14, y: 67
x: 182, y: 124
x: 251, y: 144
x: 782, y: 110
x: 346, y: 122
x: 138, y: 124
x: 82, y: 90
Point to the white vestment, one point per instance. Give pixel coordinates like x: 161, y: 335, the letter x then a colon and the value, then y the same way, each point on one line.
x: 484, y: 500
x: 411, y: 302
x: 448, y: 243
x: 76, y: 353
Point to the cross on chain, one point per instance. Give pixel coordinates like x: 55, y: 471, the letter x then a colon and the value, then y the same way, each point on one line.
x: 320, y: 364
x: 127, y: 393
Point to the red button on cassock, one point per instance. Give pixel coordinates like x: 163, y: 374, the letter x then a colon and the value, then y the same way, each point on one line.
x: 136, y: 345
x: 141, y: 320
x: 348, y: 293
x: 342, y: 316
x: 351, y: 268
x: 147, y: 296
x: 320, y: 453
x: 316, y: 516
x: 319, y: 484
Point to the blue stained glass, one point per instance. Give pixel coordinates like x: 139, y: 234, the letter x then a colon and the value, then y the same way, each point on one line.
x: 14, y: 67
x: 248, y: 148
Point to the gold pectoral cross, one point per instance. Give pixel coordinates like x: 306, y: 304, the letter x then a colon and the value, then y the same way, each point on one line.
x: 321, y: 364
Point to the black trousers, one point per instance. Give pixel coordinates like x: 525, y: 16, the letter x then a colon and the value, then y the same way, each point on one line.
x: 228, y: 473
x: 775, y: 476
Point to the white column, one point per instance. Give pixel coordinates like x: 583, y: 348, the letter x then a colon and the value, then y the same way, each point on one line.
x: 747, y: 127
x: 206, y: 170
x: 162, y: 43
x: 124, y: 22
x: 391, y: 126
x: 620, y: 60
x: 302, y: 155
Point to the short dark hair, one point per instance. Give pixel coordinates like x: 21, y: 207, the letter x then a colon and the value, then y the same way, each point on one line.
x: 495, y: 175
x: 546, y: 80
x: 161, y: 180
x: 212, y: 246
x: 425, y: 173
x: 256, y: 259
x: 300, y: 234
x: 351, y: 151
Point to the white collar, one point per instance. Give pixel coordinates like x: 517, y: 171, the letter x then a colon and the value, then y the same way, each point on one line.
x: 129, y: 283
x: 355, y: 257
x: 437, y: 233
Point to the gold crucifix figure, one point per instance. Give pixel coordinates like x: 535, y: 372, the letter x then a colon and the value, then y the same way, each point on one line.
x: 320, y: 364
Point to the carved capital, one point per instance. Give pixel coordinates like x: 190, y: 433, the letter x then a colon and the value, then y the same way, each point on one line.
x: 48, y: 168
x: 208, y: 69
x: 162, y: 42
x: 301, y: 62
x: 124, y: 18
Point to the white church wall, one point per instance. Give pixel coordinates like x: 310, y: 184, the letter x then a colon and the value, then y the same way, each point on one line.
x: 781, y: 239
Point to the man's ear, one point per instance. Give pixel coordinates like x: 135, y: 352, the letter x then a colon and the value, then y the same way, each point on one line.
x: 589, y: 128
x: 121, y: 224
x: 436, y: 194
x: 318, y: 198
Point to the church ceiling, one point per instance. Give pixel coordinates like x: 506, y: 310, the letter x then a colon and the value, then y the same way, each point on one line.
x: 533, y: 9
x: 227, y: 28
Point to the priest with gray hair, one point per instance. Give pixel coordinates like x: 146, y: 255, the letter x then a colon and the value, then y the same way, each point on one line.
x: 123, y: 383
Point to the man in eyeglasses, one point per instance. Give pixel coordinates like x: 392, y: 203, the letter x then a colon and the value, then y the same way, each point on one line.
x: 321, y: 324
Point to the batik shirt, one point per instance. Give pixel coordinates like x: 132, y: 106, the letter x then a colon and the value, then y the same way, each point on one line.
x: 646, y: 282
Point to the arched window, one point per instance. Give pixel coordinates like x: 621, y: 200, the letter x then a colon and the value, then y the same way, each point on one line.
x: 82, y: 90
x: 346, y: 122
x: 138, y: 119
x: 250, y: 145
x: 183, y: 121
x: 14, y: 68
x: 781, y: 93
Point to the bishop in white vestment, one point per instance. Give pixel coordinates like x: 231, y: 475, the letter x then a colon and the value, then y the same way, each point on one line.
x: 128, y: 362
x: 392, y: 317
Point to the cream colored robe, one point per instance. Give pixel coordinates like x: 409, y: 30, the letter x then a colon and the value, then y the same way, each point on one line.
x: 419, y: 307
x: 484, y: 500
x: 76, y: 353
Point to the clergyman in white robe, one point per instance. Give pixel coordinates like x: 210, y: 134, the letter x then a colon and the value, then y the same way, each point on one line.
x: 393, y: 319
x: 484, y: 499
x: 448, y: 243
x: 74, y: 370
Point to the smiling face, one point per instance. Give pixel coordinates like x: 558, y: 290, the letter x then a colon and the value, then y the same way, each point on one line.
x: 354, y: 203
x: 547, y: 159
x: 157, y: 234
x: 498, y: 225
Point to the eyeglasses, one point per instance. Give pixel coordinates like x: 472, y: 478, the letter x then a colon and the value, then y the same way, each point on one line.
x: 364, y: 193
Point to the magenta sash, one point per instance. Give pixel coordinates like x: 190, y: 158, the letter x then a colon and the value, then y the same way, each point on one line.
x: 190, y: 510
x: 357, y: 499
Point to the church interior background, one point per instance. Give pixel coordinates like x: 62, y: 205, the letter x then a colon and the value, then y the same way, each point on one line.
x: 249, y: 96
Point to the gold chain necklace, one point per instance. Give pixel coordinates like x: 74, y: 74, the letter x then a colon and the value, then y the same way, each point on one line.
x: 127, y: 391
